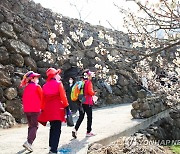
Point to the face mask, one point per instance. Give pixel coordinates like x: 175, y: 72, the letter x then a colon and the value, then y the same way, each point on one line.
x: 36, y: 81
x: 57, y: 77
x: 70, y: 81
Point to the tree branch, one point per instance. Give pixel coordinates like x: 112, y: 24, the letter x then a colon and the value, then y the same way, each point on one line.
x: 158, y: 51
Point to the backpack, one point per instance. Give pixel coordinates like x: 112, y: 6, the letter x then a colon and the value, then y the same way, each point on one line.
x: 77, y: 92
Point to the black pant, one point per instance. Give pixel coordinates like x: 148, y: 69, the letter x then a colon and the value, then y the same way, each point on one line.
x: 54, y: 135
x: 88, y: 110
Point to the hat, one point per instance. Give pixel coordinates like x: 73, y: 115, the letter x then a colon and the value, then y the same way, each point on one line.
x: 32, y: 74
x: 29, y: 75
x: 89, y: 73
x: 51, y: 72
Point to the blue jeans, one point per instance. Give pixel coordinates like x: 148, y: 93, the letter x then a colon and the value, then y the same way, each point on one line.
x: 32, y: 118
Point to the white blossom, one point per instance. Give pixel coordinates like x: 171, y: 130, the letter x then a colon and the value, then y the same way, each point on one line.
x: 53, y: 35
x: 98, y: 66
x: 89, y: 41
x: 105, y: 70
x: 101, y: 35
x: 137, y: 44
x: 74, y: 36
x: 113, y: 79
x: 100, y: 76
x: 177, y: 53
x: 79, y: 64
x: 110, y: 39
x: 103, y: 51
x: 97, y: 59
x: 110, y: 58
x: 97, y: 50
x: 59, y: 26
x: 79, y: 33
x: 177, y: 70
x: 177, y: 61
x: 65, y: 41
x: 66, y: 51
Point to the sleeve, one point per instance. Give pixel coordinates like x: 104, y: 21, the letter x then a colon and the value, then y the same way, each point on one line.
x: 90, y: 90
x: 40, y: 93
x: 63, y: 96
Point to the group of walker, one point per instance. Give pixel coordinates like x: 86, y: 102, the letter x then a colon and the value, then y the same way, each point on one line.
x: 50, y: 103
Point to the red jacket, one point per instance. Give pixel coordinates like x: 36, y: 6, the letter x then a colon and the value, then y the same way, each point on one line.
x: 55, y: 102
x: 32, y: 98
x: 88, y: 92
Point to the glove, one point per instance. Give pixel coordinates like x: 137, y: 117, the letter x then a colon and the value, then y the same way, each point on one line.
x: 68, y: 111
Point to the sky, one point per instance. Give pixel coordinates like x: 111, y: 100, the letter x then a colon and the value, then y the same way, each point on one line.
x: 95, y: 12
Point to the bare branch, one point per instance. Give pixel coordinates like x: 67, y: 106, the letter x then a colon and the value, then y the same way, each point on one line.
x: 158, y: 51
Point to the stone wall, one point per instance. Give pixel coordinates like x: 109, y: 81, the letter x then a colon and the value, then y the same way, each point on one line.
x: 166, y: 128
x: 153, y: 140
x: 147, y: 106
x: 35, y: 38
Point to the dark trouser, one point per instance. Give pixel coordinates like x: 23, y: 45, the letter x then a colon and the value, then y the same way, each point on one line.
x: 73, y: 106
x: 54, y: 135
x: 32, y: 118
x: 88, y: 110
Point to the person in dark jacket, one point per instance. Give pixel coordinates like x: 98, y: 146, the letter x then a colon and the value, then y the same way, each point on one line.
x: 72, y: 105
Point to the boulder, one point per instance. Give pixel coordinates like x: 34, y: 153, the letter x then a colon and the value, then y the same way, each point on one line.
x: 122, y: 81
x: 18, y: 47
x: 39, y: 44
x: 90, y: 54
x: 17, y: 60
x: 142, y: 94
x: 4, y: 80
x: 1, y: 17
x: 29, y: 62
x: 10, y: 93
x: 15, y: 108
x: 7, y: 120
x: 1, y: 41
x: 135, y: 105
x: 7, y: 30
x: 4, y: 55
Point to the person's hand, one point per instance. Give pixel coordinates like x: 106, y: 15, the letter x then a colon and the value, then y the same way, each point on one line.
x: 95, y: 91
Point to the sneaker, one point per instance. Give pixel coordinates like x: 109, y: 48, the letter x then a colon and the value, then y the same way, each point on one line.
x: 74, y: 133
x: 28, y: 146
x: 89, y: 134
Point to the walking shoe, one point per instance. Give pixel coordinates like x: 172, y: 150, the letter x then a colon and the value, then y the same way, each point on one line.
x: 89, y: 134
x: 74, y: 133
x: 28, y: 146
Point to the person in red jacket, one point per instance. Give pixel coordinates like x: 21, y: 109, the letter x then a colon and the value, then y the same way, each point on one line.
x: 32, y: 100
x: 55, y: 103
x: 87, y: 105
